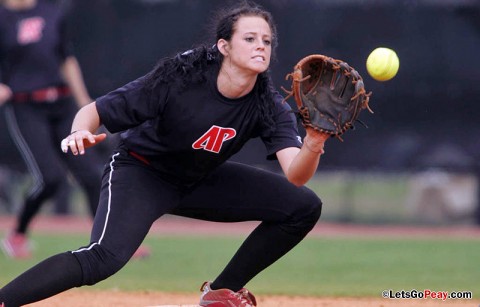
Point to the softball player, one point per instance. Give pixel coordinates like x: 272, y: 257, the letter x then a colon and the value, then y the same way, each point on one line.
x: 38, y: 75
x: 180, y: 124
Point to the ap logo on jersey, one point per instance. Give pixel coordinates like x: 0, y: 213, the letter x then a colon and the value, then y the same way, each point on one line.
x: 30, y: 30
x: 214, y: 138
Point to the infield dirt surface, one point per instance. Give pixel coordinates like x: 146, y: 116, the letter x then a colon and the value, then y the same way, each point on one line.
x: 82, y: 298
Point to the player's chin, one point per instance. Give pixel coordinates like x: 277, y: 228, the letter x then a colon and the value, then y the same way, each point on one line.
x: 259, y: 67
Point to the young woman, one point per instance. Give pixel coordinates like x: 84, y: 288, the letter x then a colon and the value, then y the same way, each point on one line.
x: 42, y: 88
x: 180, y: 123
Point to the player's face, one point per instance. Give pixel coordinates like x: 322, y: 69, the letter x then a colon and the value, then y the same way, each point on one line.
x: 251, y: 45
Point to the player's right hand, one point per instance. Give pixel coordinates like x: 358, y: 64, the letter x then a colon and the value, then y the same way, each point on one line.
x: 5, y: 93
x: 78, y: 141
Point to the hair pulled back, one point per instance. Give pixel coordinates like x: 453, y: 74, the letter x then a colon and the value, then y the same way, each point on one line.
x: 193, y: 66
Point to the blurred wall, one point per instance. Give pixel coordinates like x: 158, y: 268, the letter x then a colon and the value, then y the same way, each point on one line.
x: 425, y: 116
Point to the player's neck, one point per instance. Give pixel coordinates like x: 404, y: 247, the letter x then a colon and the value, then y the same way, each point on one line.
x: 17, y: 5
x: 233, y: 84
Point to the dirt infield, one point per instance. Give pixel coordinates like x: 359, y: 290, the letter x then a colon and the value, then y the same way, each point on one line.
x: 178, y: 226
x: 171, y: 225
x: 82, y: 298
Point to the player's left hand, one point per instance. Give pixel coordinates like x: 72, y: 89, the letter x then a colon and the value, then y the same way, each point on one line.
x: 78, y: 141
x: 329, y: 93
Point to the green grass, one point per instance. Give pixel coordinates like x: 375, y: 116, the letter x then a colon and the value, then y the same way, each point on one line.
x: 365, y: 198
x: 357, y: 267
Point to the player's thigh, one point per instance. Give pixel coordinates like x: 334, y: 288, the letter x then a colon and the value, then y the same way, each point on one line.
x: 30, y: 122
x: 237, y: 192
x: 31, y: 131
x: 132, y: 197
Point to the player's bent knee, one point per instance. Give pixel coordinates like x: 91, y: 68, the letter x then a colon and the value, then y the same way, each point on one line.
x: 312, y: 210
x: 98, y: 264
x: 308, y: 209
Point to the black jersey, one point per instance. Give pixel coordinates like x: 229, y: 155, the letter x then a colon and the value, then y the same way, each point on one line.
x: 33, y: 45
x: 185, y: 134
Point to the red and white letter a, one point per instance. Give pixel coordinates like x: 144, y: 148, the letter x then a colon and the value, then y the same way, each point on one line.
x: 213, y: 139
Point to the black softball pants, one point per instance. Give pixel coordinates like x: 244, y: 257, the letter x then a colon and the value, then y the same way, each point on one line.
x: 37, y: 129
x: 134, y: 196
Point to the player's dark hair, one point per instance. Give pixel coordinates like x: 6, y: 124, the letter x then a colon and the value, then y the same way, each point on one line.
x: 226, y: 20
x: 192, y: 66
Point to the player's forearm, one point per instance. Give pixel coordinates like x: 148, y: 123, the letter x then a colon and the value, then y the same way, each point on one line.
x: 73, y: 76
x: 303, y: 166
x: 87, y: 118
x: 306, y: 162
x: 299, y: 165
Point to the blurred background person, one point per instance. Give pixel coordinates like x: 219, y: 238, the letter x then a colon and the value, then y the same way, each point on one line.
x: 40, y: 81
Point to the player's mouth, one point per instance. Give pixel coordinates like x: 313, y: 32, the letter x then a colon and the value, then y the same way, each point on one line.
x: 259, y: 58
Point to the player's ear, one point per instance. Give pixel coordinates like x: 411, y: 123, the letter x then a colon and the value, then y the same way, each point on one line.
x: 223, y: 46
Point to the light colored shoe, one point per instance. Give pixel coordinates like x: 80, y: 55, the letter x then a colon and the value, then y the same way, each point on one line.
x: 142, y: 252
x: 226, y: 297
x: 17, y: 246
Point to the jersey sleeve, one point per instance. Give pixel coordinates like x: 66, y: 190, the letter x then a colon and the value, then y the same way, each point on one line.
x: 286, y: 132
x: 129, y: 106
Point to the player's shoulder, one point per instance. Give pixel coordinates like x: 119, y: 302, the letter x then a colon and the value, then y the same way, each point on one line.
x: 3, y: 11
x: 6, y: 17
x: 49, y: 8
x: 47, y: 4
x: 280, y: 102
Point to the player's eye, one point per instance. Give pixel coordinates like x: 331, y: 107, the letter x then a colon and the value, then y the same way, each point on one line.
x: 267, y: 42
x: 249, y: 39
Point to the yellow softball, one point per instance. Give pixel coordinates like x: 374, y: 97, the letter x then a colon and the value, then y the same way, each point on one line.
x: 383, y: 64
